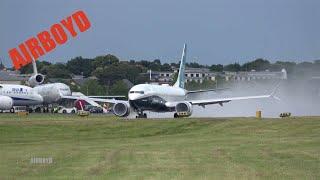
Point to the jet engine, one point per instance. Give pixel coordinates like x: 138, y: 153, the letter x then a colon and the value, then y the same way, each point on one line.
x: 36, y: 79
x: 6, y: 103
x: 121, y: 109
x: 183, y: 109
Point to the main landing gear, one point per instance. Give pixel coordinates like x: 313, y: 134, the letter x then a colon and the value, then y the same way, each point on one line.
x: 141, y: 115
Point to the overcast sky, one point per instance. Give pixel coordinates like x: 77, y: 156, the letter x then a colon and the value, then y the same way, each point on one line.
x: 216, y: 31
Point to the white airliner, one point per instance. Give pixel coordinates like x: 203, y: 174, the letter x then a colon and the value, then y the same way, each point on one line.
x: 40, y: 94
x: 55, y: 92
x: 18, y: 95
x: 165, y: 98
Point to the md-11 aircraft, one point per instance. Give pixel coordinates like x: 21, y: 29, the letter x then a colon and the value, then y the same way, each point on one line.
x: 38, y: 93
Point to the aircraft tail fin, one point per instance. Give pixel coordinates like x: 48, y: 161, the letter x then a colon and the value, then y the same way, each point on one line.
x: 36, y: 78
x: 34, y: 66
x: 181, y: 74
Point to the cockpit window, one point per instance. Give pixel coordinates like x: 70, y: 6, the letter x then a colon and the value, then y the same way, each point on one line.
x: 137, y: 92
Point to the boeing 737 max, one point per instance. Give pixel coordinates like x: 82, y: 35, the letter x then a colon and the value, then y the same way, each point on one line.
x: 165, y: 98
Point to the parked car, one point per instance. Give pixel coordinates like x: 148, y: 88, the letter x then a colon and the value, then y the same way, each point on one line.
x: 64, y: 110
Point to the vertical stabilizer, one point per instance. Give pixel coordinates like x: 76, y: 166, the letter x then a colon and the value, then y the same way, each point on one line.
x: 34, y: 65
x: 181, y: 75
x: 36, y: 79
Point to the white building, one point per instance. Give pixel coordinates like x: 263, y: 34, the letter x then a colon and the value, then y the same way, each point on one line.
x: 200, y: 74
x: 255, y: 75
x: 191, y: 74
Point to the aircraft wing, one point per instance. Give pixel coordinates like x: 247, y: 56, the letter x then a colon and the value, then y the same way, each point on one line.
x: 93, y: 101
x: 112, y: 101
x: 85, y: 98
x: 108, y: 97
x: 220, y: 101
x: 79, y: 94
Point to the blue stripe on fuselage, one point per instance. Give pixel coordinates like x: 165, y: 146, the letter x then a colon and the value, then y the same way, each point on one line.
x: 22, y: 99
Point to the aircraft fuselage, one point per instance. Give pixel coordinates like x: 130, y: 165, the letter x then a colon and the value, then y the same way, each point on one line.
x: 155, y: 97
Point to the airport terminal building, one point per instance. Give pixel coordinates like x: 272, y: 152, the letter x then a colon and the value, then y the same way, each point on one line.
x: 201, y: 74
x: 255, y: 75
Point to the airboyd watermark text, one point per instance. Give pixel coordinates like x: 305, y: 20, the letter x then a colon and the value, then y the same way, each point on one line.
x: 41, y: 160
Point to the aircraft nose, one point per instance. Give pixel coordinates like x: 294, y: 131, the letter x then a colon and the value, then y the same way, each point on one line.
x: 134, y: 96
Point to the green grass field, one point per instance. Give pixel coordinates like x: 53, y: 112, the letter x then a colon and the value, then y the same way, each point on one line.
x: 99, y: 147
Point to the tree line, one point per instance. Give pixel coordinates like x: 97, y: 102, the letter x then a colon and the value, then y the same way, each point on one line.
x: 110, y: 71
x: 109, y: 67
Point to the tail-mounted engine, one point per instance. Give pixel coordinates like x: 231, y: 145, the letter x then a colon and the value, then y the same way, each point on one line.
x: 121, y: 109
x: 183, y: 109
x: 36, y: 79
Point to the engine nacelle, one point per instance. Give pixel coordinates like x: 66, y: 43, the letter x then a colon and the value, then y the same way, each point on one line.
x: 183, y: 109
x: 6, y: 103
x: 36, y: 79
x: 121, y: 109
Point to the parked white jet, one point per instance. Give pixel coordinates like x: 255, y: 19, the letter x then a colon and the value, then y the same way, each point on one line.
x: 54, y: 92
x: 40, y: 94
x: 51, y: 92
x: 165, y: 98
x: 19, y: 95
